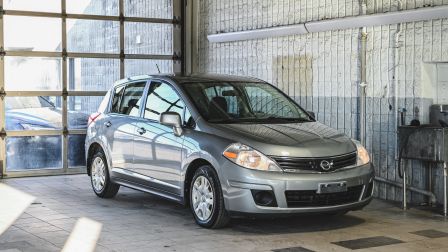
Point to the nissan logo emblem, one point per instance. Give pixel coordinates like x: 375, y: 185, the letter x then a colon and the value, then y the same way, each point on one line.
x: 326, y: 165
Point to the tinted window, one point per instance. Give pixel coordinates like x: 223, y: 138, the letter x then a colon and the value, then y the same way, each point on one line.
x: 132, y: 99
x: 162, y: 98
x: 118, y: 93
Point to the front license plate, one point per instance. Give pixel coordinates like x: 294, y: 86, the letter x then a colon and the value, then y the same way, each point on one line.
x: 333, y: 187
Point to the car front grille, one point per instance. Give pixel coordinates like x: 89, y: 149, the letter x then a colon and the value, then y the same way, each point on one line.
x: 320, y: 164
x: 310, y: 198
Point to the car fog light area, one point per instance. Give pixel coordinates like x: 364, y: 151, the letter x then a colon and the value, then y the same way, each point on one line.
x: 247, y: 157
x: 264, y: 198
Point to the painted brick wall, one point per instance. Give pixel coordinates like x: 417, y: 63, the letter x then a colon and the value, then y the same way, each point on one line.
x: 321, y: 70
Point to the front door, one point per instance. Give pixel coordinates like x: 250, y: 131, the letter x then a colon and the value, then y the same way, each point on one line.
x: 157, y: 151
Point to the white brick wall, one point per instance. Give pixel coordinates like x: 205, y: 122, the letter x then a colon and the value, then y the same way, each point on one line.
x: 321, y: 70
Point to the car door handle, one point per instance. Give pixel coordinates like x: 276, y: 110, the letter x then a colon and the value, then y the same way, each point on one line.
x: 141, y: 131
x: 108, y: 124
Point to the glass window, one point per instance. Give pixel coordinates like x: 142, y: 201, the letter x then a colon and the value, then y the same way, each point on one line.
x: 93, y: 7
x: 132, y: 99
x: 162, y: 98
x: 33, y: 113
x: 33, y: 74
x: 76, y: 151
x: 87, y: 74
x: 41, y: 152
x: 79, y: 108
x: 32, y: 33
x: 149, y: 8
x: 233, y: 102
x: 148, y: 38
x: 147, y: 66
x: 116, y: 100
x: 93, y: 36
x: 27, y: 5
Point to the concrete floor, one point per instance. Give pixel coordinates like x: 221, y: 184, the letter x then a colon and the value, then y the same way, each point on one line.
x: 135, y: 221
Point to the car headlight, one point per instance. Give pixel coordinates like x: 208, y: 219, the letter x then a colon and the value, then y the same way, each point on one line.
x: 249, y: 158
x: 362, y: 154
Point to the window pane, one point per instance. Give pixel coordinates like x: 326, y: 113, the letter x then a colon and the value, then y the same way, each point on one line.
x: 79, y: 108
x: 33, y: 113
x: 86, y: 74
x: 76, y: 154
x: 93, y: 7
x: 118, y: 94
x: 132, y: 99
x: 32, y: 33
x: 148, y: 38
x: 162, y: 98
x: 40, y: 152
x: 93, y: 36
x: 27, y: 5
x: 31, y: 74
x: 139, y: 67
x: 149, y: 8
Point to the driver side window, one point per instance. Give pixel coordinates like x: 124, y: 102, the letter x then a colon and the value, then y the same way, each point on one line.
x: 162, y: 98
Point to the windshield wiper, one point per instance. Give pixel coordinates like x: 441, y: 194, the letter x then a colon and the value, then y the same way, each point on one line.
x: 288, y: 119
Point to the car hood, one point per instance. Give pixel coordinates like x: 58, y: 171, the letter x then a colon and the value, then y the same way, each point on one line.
x: 50, y: 118
x: 309, y: 139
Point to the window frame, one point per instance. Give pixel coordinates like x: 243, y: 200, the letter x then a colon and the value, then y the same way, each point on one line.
x: 64, y: 92
x: 150, y: 82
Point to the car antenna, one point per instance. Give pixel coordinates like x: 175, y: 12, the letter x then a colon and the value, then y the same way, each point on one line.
x: 158, y: 69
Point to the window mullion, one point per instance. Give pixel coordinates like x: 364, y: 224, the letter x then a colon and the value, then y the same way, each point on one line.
x: 122, y: 56
x: 2, y: 100
x: 64, y: 87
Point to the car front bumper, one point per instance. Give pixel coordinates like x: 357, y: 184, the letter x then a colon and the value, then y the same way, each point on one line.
x: 240, y: 183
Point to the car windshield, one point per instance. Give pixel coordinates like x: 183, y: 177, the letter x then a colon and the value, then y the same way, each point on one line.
x: 27, y: 102
x: 242, y: 102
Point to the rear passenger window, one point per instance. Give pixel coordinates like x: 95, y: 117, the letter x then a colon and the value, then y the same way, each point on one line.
x: 118, y: 93
x: 162, y: 98
x: 132, y: 99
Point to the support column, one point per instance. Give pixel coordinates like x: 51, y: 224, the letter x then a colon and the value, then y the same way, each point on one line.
x: 177, y: 36
x: 64, y: 88
x: 2, y: 99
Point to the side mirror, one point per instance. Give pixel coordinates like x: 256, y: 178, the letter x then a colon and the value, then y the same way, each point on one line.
x: 311, y: 113
x: 172, y: 119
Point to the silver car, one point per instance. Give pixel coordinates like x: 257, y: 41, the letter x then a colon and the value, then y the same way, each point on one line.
x: 224, y: 146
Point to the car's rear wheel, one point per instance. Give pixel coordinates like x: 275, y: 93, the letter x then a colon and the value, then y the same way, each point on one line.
x: 99, y: 177
x: 206, y: 200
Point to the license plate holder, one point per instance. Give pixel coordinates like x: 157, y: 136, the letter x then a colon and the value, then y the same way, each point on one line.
x: 332, y: 187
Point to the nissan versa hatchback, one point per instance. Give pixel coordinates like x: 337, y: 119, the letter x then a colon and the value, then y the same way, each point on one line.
x: 224, y: 146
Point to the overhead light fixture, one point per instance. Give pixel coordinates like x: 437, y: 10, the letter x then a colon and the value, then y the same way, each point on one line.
x: 259, y: 33
x: 389, y: 18
x: 420, y: 14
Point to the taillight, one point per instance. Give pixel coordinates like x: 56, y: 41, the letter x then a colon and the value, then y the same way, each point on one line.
x: 93, y: 117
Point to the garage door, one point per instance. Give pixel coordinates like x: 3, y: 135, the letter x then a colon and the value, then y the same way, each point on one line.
x: 58, y: 59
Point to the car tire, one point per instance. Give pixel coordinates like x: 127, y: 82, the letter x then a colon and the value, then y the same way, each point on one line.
x: 99, y: 176
x: 204, y: 185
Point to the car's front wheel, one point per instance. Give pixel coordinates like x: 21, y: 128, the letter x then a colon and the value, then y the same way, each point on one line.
x: 99, y: 177
x: 206, y: 200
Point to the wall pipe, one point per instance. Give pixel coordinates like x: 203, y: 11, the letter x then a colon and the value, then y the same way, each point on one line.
x: 431, y: 195
x: 363, y: 76
x: 396, y: 17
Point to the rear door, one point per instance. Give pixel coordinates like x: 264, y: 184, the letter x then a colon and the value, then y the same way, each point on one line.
x: 158, y: 152
x: 120, y: 125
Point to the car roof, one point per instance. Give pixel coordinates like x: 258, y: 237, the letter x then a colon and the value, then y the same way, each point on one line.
x: 184, y: 79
